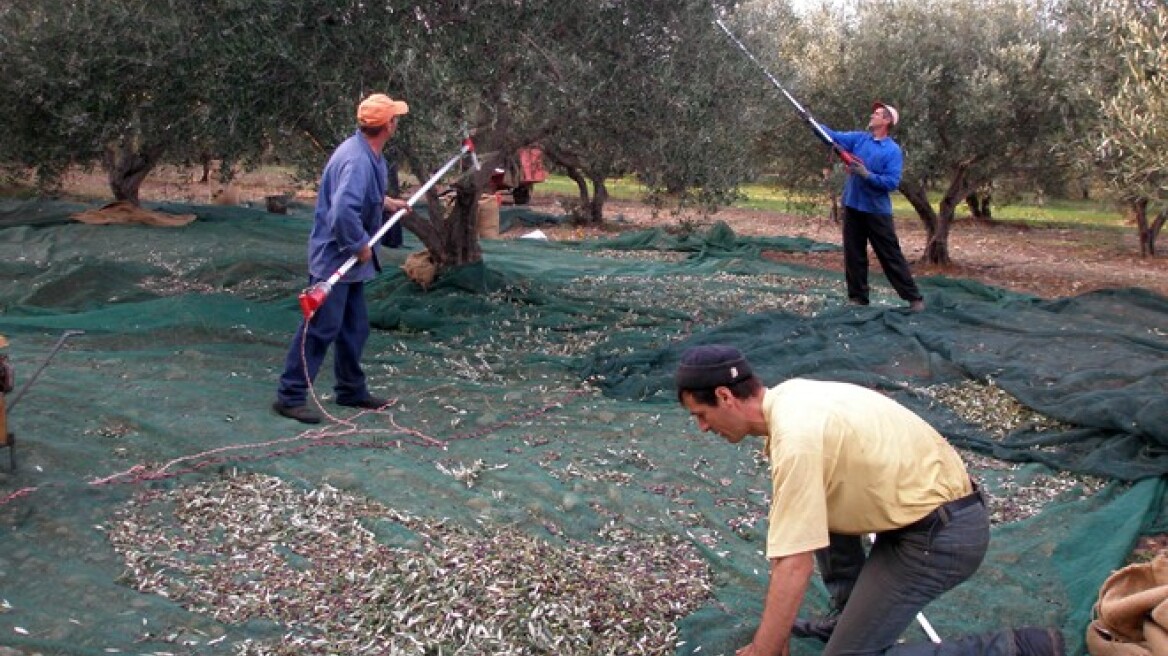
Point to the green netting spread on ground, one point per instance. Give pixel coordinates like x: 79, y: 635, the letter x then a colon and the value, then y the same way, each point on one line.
x: 534, y: 488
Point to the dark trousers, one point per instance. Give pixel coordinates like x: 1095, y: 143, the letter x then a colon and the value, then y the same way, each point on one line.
x: 861, y: 229
x: 342, y: 320
x: 903, y: 572
x: 394, y: 237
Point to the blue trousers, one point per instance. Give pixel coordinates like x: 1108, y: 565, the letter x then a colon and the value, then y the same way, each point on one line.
x: 903, y: 572
x: 342, y: 320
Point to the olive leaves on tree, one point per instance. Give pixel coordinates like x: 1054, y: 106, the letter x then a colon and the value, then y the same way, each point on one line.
x: 1130, y: 140
x: 991, y: 91
x: 978, y: 88
x: 617, y: 87
x: 87, y: 82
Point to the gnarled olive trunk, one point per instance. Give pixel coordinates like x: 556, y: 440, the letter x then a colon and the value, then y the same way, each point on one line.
x: 127, y: 164
x: 1148, y: 230
x: 980, y: 205
x: 936, y: 230
x: 590, y: 208
x: 938, y: 223
x: 451, y: 232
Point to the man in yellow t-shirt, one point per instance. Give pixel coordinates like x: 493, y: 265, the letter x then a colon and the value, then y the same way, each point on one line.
x: 846, y: 462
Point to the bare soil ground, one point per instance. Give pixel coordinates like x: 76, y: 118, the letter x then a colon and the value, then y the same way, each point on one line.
x: 1046, y: 262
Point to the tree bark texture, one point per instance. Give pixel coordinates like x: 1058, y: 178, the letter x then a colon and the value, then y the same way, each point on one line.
x: 127, y: 165
x: 980, y: 206
x: 590, y: 209
x: 451, y: 232
x: 599, y: 198
x: 939, y: 223
x: 1155, y: 229
x: 1148, y: 230
x: 917, y: 197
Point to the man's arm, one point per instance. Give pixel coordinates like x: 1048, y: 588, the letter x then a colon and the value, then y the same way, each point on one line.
x: 885, y: 173
x: 393, y: 188
x: 848, y: 140
x: 788, y: 582
x: 392, y: 205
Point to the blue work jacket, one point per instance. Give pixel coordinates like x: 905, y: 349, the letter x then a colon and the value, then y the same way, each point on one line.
x: 349, y: 207
x: 884, y: 161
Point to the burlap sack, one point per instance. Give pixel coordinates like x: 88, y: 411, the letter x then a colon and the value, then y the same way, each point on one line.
x: 1131, y: 615
x: 488, y: 216
x: 124, y: 212
x: 420, y: 268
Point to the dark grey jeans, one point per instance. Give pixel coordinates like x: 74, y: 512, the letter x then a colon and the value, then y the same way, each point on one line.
x: 904, y: 571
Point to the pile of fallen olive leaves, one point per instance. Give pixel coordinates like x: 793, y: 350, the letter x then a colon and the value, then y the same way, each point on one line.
x: 991, y: 408
x: 252, y: 547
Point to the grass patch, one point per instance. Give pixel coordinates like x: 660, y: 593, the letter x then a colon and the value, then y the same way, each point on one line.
x: 1063, y: 212
x: 626, y: 189
x: 1051, y: 213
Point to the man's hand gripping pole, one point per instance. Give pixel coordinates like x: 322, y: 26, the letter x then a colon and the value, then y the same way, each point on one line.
x: 314, y: 296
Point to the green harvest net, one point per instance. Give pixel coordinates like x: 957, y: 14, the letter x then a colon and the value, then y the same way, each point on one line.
x: 534, y: 488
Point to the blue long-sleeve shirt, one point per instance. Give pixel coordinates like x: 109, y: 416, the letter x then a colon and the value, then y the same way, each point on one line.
x: 883, y: 159
x: 348, y: 210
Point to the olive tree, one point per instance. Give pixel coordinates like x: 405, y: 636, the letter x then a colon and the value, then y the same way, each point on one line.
x: 979, y: 93
x: 606, y: 88
x: 666, y: 108
x: 802, y: 52
x: 89, y: 81
x: 618, y: 87
x: 1130, y: 141
x: 131, y: 84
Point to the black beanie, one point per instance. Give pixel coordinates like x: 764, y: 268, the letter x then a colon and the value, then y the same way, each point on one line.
x: 714, y: 365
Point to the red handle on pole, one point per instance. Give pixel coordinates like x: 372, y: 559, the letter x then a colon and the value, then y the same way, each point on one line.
x: 847, y: 158
x: 312, y: 298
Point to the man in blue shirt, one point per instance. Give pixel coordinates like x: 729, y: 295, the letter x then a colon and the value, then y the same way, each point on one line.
x: 350, y: 204
x: 868, y: 208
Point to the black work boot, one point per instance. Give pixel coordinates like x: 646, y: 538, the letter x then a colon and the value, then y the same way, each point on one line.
x: 300, y: 413
x: 816, y: 627
x: 371, y: 403
x: 1035, y: 641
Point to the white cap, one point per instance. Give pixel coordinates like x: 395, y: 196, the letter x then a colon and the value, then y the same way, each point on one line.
x: 891, y: 111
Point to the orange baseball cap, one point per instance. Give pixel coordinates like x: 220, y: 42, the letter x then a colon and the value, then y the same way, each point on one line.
x: 379, y: 109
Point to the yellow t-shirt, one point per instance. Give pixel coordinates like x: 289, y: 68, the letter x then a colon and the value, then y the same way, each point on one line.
x: 846, y: 459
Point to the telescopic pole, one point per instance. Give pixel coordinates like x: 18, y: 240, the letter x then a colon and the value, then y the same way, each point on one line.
x: 845, y: 156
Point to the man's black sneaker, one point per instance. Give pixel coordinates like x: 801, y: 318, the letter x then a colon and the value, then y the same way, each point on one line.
x: 300, y: 413
x: 816, y: 627
x: 1034, y: 641
x: 371, y: 403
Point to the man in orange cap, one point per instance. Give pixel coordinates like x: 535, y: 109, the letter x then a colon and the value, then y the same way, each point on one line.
x: 868, y: 208
x: 350, y: 204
